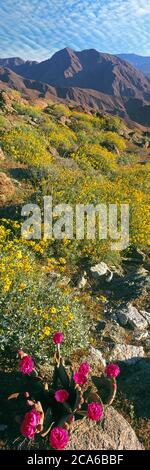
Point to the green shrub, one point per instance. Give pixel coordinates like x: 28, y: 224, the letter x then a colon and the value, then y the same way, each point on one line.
x: 95, y: 156
x: 28, y: 111
x: 112, y: 141
x: 3, y: 122
x: 27, y: 145
x: 32, y: 308
x: 57, y: 111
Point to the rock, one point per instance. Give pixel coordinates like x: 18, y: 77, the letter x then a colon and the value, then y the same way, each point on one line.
x: 145, y: 315
x: 100, y: 270
x: 83, y: 281
x: 115, y: 434
x: 147, y: 344
x: 53, y: 151
x: 54, y: 276
x: 126, y: 352
x: 7, y: 189
x: 100, y: 326
x: 132, y: 285
x: 135, y: 255
x: 96, y: 356
x: 141, y: 335
x: 131, y: 316
x: 65, y: 281
x: 134, y: 384
x: 114, y: 333
x: 16, y: 182
x: 67, y: 162
x: 2, y: 156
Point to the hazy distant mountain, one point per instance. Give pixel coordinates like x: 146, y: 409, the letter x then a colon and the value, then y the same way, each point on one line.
x: 139, y: 62
x: 91, y: 79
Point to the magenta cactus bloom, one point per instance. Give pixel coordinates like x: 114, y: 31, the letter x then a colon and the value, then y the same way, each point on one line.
x: 58, y: 337
x: 84, y: 368
x: 59, y: 438
x: 29, y: 424
x: 27, y: 430
x: 26, y: 365
x: 79, y: 378
x: 95, y: 411
x: 112, y: 371
x: 61, y: 395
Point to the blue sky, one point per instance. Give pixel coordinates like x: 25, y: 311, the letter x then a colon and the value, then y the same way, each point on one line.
x: 35, y: 29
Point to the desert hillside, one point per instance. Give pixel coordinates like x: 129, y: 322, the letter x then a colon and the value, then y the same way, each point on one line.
x: 98, y: 297
x: 91, y: 79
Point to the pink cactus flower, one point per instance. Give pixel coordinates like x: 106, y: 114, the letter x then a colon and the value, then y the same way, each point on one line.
x: 61, y: 395
x: 59, y: 438
x: 84, y: 368
x: 95, y: 411
x: 29, y: 424
x: 58, y: 337
x: 26, y: 364
x: 79, y: 378
x: 27, y: 430
x: 112, y: 371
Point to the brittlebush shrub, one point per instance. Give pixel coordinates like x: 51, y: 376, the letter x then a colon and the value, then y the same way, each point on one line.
x: 125, y: 186
x: 31, y: 307
x: 58, y: 136
x: 95, y: 156
x: 28, y: 111
x: 58, y: 111
x: 26, y: 145
x: 110, y: 123
x: 112, y: 141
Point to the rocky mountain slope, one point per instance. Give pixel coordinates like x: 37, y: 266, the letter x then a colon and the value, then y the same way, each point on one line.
x: 28, y: 88
x: 92, y: 80
x: 139, y: 62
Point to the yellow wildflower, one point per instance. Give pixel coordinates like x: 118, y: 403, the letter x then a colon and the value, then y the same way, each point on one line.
x: 46, y: 316
x: 70, y: 316
x: 53, y: 309
x: 22, y: 286
x: 103, y: 298
x: 46, y: 330
x: 62, y: 269
x: 65, y: 308
x: 19, y: 255
x: 62, y: 260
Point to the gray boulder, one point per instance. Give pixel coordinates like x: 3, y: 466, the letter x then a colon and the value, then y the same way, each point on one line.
x: 115, y: 434
x: 96, y: 356
x: 145, y: 315
x: 132, y: 285
x: 130, y: 316
x: 127, y: 352
x: 101, y: 270
x: 83, y: 281
x: 113, y: 333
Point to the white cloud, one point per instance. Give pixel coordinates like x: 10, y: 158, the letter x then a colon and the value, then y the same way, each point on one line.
x: 37, y: 28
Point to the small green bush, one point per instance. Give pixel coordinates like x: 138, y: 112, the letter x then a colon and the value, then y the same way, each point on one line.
x: 58, y: 110
x: 3, y: 122
x: 32, y: 307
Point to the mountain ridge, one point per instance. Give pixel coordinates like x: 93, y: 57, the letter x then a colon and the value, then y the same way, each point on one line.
x: 141, y: 63
x: 94, y: 80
